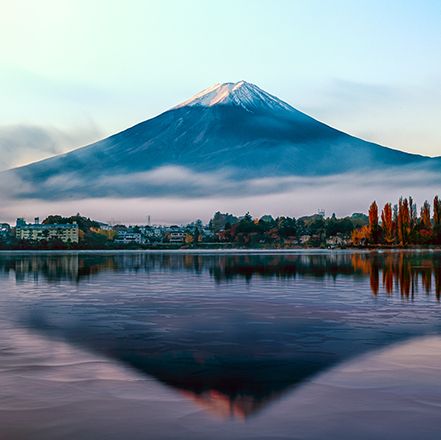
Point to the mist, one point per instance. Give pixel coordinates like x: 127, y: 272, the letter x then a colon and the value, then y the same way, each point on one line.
x: 188, y: 195
x: 22, y: 144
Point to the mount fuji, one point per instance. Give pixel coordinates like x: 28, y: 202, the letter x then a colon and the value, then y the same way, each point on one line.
x: 235, y: 131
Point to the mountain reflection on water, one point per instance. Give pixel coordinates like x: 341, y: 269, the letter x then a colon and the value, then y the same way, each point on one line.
x: 229, y: 331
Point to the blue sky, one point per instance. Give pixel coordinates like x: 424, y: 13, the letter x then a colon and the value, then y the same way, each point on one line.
x: 79, y: 70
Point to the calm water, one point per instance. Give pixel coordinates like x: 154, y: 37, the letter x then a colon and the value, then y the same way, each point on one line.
x: 174, y: 345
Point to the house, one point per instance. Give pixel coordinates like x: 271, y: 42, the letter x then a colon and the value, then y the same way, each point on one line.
x: 175, y: 234
x: 176, y: 237
x: 67, y: 233
x: 151, y: 233
x: 336, y: 241
x: 127, y: 236
x: 304, y: 239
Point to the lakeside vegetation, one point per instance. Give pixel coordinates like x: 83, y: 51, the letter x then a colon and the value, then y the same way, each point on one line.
x: 400, y: 226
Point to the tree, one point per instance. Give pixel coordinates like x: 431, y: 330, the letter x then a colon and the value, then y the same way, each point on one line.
x: 424, y: 233
x: 412, y: 214
x: 425, y: 216
x: 403, y: 221
x: 197, y: 236
x: 317, y: 225
x: 220, y: 220
x: 360, y: 236
x: 436, y: 211
x: 373, y: 222
x: 334, y: 226
x: 387, y: 223
x: 436, y: 220
x: 286, y: 226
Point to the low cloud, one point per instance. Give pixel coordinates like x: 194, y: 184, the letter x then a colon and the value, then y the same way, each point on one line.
x: 22, y: 144
x: 181, y: 182
x: 179, y: 195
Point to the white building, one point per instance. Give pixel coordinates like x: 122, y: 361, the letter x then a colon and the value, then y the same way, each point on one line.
x: 67, y: 233
x: 127, y: 237
x: 176, y: 237
x: 174, y: 234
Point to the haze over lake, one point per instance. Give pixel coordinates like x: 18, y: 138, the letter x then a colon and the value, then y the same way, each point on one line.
x: 220, y: 345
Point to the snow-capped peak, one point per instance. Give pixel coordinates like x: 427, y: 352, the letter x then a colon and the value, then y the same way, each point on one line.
x: 242, y: 94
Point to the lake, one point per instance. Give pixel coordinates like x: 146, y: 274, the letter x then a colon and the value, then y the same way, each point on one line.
x: 214, y: 345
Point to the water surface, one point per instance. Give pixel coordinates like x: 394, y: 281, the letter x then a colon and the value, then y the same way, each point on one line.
x: 188, y: 345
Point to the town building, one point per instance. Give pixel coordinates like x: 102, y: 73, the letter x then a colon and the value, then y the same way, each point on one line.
x: 152, y: 233
x: 67, y: 233
x: 337, y: 241
x: 304, y: 239
x: 175, y: 234
x: 176, y: 237
x: 127, y: 236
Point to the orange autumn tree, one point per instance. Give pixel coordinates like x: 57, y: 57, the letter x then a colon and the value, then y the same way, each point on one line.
x: 369, y: 233
x: 360, y: 236
x: 403, y: 222
x: 373, y: 223
x: 387, y: 223
x: 425, y: 229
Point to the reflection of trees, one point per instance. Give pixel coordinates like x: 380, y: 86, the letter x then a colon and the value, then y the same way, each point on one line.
x: 281, y: 266
x: 55, y: 267
x: 403, y: 272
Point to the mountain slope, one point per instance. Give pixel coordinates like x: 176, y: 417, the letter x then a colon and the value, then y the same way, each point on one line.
x: 232, y: 127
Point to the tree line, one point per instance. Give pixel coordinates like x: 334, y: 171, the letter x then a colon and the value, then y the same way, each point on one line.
x: 400, y: 225
x: 310, y: 231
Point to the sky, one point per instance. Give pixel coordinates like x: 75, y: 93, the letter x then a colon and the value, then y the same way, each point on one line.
x: 72, y: 72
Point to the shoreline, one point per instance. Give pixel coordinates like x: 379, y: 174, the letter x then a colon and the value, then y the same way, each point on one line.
x: 220, y: 251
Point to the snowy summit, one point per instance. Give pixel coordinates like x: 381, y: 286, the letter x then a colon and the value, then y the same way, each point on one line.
x: 242, y: 94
